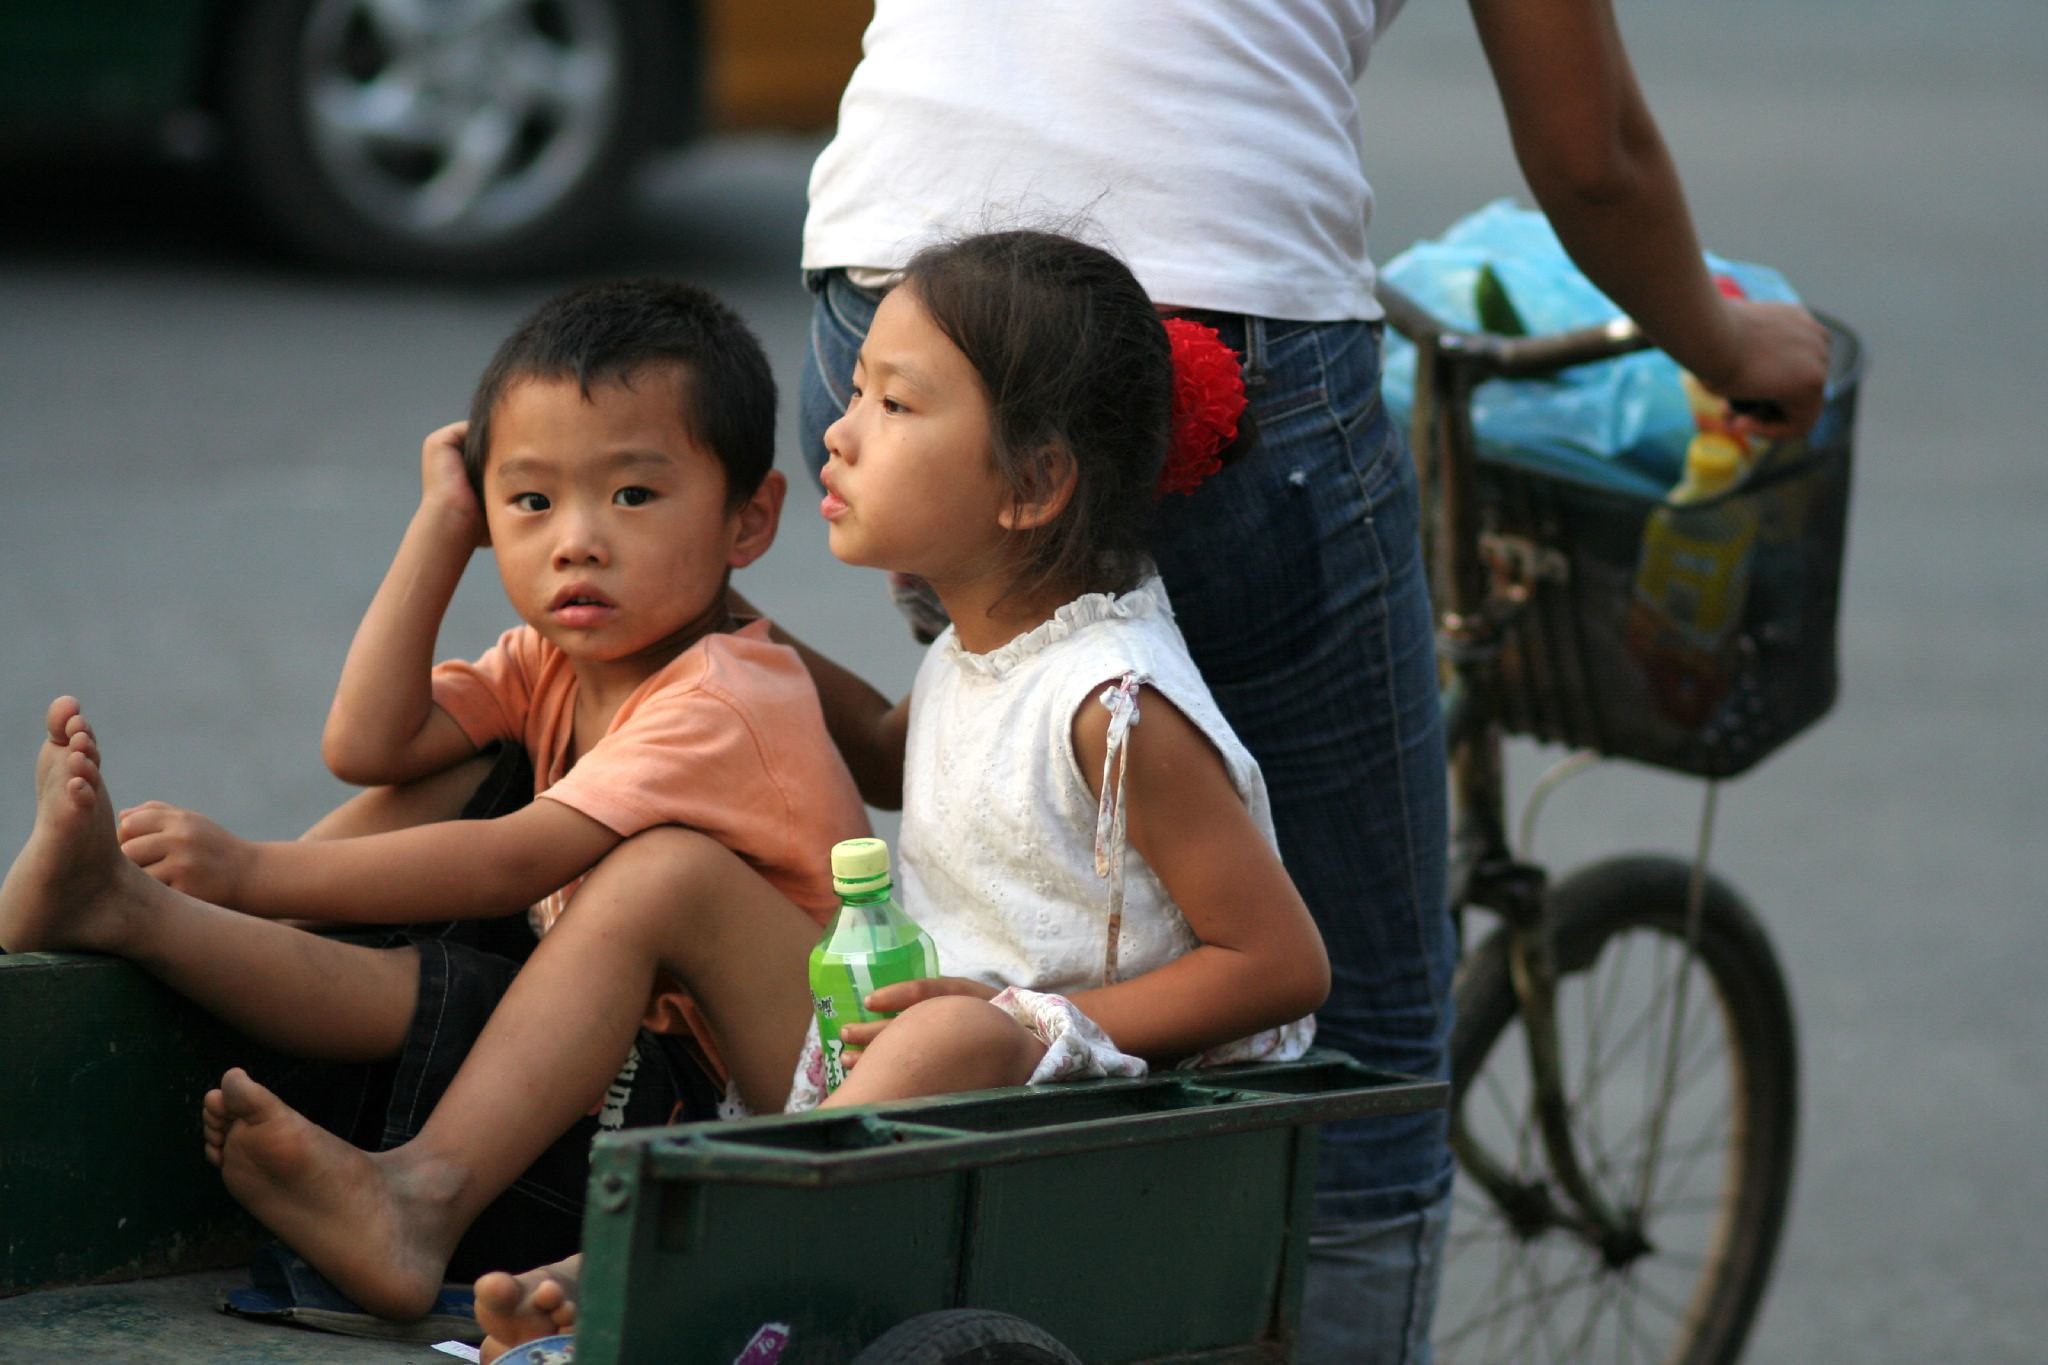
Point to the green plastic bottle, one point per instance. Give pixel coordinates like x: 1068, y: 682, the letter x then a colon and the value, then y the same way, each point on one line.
x: 870, y: 945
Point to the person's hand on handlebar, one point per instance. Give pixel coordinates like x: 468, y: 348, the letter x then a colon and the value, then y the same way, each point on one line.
x: 1780, y: 371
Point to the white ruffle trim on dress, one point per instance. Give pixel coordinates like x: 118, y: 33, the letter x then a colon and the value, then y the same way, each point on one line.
x: 1145, y: 599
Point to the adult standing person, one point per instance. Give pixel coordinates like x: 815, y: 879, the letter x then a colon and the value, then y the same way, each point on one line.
x: 1215, y: 145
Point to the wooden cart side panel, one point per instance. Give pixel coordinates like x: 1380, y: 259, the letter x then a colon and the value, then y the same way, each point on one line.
x: 101, y: 1172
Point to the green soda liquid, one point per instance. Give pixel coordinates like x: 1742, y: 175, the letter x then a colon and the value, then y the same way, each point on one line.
x: 872, y: 944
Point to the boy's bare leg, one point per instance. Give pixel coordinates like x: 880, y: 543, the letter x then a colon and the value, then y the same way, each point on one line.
x: 382, y: 1225
x: 516, y: 1309
x: 72, y: 889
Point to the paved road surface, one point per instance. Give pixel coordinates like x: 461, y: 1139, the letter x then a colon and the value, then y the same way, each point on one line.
x: 208, y: 458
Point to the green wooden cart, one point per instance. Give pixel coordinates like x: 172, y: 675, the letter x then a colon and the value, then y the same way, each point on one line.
x: 1156, y: 1219
x: 1163, y: 1218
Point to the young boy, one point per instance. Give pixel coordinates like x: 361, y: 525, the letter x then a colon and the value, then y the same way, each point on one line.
x: 617, y: 462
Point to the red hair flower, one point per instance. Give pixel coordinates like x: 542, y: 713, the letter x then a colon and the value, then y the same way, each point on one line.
x: 1208, y: 400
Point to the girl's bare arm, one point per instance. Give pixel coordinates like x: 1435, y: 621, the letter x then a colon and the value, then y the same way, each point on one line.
x: 1260, y: 962
x: 384, y: 727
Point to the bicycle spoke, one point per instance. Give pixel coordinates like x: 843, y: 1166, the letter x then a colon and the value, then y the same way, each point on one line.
x: 1603, y: 1296
x: 1504, y: 1306
x: 1608, y: 986
x: 1589, y: 1113
x: 1480, y: 1205
x: 1514, y: 1116
x: 1662, y: 1087
x: 1686, y: 1155
x: 1494, y: 1229
x: 1653, y: 1056
x: 1690, y: 1204
x: 1517, y: 1116
x: 1546, y: 1299
x: 1470, y: 1241
x: 1596, y: 1017
x: 1638, y: 1134
x: 1647, y: 1016
x: 1629, y: 1333
x: 1706, y: 1053
x: 1688, y: 1160
x: 1657, y: 1300
x: 1500, y: 1284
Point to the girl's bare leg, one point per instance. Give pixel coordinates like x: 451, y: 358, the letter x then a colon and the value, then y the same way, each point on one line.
x: 382, y: 1225
x: 72, y: 889
x: 939, y: 1046
x: 515, y: 1309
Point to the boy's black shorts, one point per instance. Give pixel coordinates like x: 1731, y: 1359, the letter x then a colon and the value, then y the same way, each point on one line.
x: 465, y: 969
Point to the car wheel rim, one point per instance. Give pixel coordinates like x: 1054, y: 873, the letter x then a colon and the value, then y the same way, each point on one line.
x: 459, y: 121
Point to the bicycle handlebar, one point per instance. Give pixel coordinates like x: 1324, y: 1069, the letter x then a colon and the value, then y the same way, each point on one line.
x: 1491, y: 357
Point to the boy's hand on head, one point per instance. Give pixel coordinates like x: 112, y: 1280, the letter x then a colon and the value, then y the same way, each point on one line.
x: 185, y: 851
x: 444, y: 481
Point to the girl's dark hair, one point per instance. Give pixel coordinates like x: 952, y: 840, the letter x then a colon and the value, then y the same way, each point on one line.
x: 1077, y: 369
x: 611, y: 331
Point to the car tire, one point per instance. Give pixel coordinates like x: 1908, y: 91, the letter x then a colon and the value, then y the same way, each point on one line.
x: 469, y: 137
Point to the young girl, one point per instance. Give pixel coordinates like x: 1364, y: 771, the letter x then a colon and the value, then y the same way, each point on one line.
x: 1010, y: 414
x: 1084, y: 838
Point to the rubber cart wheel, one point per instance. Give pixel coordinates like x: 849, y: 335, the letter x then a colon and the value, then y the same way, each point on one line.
x: 966, y: 1336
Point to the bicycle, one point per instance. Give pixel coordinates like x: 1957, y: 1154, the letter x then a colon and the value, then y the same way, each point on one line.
x: 1624, y: 1062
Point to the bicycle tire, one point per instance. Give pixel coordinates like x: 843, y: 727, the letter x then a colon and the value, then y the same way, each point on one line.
x: 1691, y: 1293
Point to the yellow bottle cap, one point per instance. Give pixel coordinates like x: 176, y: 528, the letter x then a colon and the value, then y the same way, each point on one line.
x: 1713, y: 463
x: 860, y: 865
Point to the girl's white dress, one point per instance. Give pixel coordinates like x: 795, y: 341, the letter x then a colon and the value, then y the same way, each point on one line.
x: 1007, y: 860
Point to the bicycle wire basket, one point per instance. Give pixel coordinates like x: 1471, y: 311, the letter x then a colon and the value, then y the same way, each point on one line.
x: 1611, y: 652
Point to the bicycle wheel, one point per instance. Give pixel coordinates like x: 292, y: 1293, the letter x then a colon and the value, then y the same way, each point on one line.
x: 1693, y: 1148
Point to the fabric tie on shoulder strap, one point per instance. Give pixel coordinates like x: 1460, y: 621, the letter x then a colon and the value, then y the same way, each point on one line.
x: 1121, y: 698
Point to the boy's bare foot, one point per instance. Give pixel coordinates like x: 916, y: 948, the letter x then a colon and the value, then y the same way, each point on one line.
x: 375, y: 1224
x: 213, y: 1124
x: 515, y: 1309
x: 70, y: 887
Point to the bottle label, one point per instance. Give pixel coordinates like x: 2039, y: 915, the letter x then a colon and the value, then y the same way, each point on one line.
x: 1683, y: 623
x: 841, y: 982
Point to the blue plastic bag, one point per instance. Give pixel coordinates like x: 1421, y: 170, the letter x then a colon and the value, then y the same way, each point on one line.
x: 1622, y: 423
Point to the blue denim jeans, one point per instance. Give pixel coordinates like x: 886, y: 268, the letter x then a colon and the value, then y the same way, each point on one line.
x: 1296, y: 575
x: 1372, y: 1289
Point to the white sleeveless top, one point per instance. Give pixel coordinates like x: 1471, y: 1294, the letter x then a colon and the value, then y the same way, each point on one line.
x: 1008, y: 861
x: 1213, y: 144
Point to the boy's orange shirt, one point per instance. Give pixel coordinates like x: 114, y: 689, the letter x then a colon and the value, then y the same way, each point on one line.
x: 727, y: 739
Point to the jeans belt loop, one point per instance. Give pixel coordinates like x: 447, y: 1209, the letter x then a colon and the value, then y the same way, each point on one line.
x: 1254, y: 346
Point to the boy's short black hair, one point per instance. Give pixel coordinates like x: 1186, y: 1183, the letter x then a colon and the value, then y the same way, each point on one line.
x: 611, y: 331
